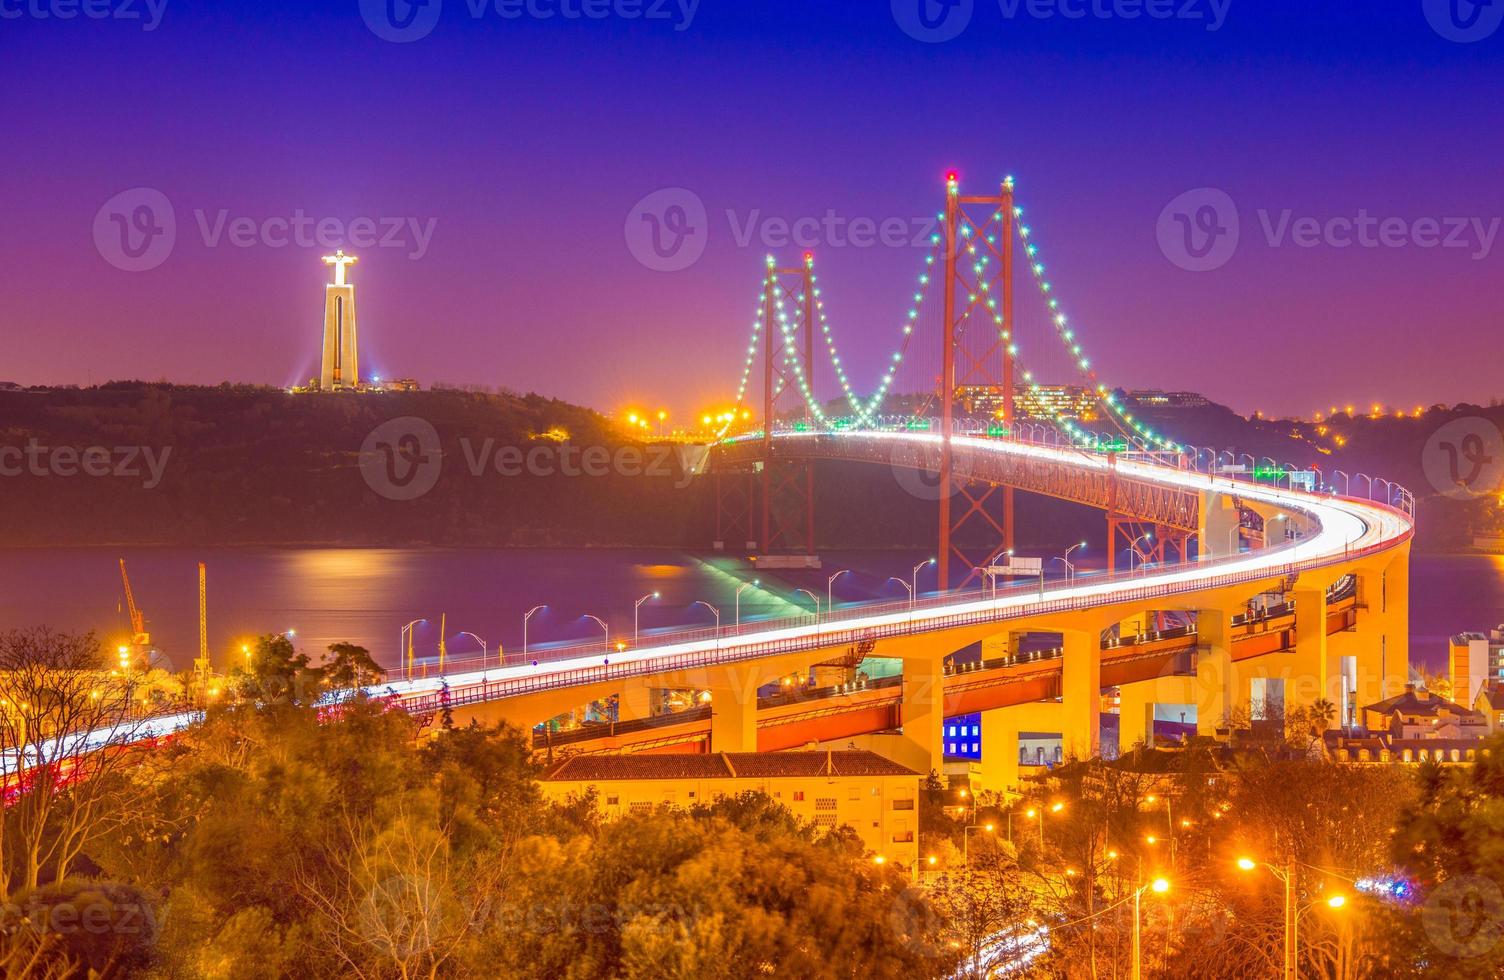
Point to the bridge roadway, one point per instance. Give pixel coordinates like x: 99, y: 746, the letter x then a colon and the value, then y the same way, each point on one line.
x: 1341, y: 536
x: 793, y: 720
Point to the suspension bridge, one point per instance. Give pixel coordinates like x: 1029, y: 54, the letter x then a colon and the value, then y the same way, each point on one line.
x: 1222, y: 547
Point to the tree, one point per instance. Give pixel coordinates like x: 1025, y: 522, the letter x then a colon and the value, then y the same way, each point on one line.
x: 1448, y: 840
x: 349, y: 666
x: 65, y: 728
x: 276, y: 673
x: 988, y: 910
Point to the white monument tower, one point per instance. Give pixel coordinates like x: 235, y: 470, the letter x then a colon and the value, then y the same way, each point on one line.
x: 341, y: 366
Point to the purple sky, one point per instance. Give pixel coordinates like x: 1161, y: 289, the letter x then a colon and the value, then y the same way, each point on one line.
x: 525, y: 144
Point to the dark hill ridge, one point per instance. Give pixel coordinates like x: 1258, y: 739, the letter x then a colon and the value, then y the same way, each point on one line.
x: 254, y: 465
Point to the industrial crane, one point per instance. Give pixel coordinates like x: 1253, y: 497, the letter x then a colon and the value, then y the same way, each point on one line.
x: 139, y: 637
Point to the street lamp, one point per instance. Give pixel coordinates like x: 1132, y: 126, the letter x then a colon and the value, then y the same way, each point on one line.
x: 635, y: 616
x: 745, y: 586
x: 830, y: 585
x: 484, y: 647
x: 1070, y: 570
x: 717, y: 612
x: 1134, y: 552
x: 1289, y: 877
x: 914, y: 582
x: 966, y: 839
x: 404, y: 639
x: 604, y: 629
x: 1158, y: 886
x: 529, y: 616
x: 812, y: 598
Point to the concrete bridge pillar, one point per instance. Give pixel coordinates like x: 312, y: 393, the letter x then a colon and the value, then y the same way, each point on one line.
x: 1001, y: 645
x: 1395, y: 641
x: 922, y: 712
x: 1312, y: 670
x: 1217, y: 526
x: 1215, y: 678
x: 1135, y: 716
x: 637, y: 701
x: 1081, y: 692
x: 1000, y: 771
x: 733, y: 720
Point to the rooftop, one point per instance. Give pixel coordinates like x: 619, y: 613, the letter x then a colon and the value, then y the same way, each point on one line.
x: 724, y: 765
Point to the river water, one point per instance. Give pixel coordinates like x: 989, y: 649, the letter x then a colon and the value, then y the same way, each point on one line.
x: 365, y: 596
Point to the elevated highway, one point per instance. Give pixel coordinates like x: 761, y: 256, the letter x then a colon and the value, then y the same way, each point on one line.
x: 1332, y: 537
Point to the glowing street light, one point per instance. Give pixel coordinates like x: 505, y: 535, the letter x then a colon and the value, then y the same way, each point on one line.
x: 404, y: 642
x: 755, y: 583
x: 717, y: 613
x: 914, y: 581
x: 812, y: 598
x: 636, y: 614
x: 606, y: 630
x: 1159, y: 886
x: 525, y: 619
x: 830, y: 585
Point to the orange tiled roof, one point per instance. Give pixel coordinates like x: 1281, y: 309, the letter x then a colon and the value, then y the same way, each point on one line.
x: 724, y: 765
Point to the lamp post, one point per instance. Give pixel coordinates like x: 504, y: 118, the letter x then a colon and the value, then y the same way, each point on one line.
x: 717, y: 613
x: 1158, y: 886
x: 812, y: 598
x: 966, y: 839
x: 991, y: 563
x: 604, y: 629
x: 404, y: 639
x: 484, y: 647
x: 636, y: 610
x: 1134, y: 552
x: 1070, y: 570
x: 745, y: 586
x: 1289, y: 877
x: 529, y: 616
x: 830, y: 585
x: 914, y: 582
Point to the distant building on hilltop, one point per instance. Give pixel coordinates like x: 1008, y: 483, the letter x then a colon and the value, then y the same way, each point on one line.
x: 1416, y: 726
x: 1031, y: 401
x: 1155, y: 398
x: 1473, y: 660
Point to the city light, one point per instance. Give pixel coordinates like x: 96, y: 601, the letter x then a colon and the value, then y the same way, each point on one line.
x: 1337, y: 901
x: 1247, y: 864
x: 1160, y: 886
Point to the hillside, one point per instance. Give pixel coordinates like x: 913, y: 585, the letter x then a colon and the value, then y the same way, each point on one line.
x: 251, y: 465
